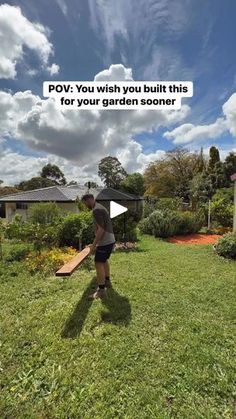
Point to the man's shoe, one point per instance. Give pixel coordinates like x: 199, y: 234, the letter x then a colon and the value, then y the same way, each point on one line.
x: 108, y: 284
x: 99, y: 294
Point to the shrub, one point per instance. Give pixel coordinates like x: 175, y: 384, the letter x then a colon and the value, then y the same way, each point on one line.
x: 226, y: 246
x: 76, y: 230
x: 39, y: 235
x: 222, y: 213
x: 169, y: 223
x: 18, y: 253
x: 130, y: 228
x: 190, y: 222
x: 169, y: 204
x: 159, y: 224
x: 44, y: 213
x: 15, y: 228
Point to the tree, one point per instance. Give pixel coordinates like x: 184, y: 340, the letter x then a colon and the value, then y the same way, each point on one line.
x: 230, y: 166
x: 201, y: 189
x: 35, y: 183
x: 134, y: 184
x: 171, y: 175
x: 159, y: 180
x: 8, y: 190
x: 92, y: 185
x: 214, y: 158
x: 111, y: 172
x: 201, y: 163
x: 51, y: 171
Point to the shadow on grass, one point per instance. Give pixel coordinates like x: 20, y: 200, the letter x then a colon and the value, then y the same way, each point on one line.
x: 119, y: 311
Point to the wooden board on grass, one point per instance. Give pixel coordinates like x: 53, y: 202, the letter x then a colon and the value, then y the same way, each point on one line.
x: 74, y: 263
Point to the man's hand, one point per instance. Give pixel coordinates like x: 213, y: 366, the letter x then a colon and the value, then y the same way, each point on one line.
x: 92, y: 249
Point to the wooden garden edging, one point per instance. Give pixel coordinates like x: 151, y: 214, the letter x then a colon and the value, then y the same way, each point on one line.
x: 69, y: 267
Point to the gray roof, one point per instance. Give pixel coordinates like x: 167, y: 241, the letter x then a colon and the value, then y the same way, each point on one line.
x: 68, y: 194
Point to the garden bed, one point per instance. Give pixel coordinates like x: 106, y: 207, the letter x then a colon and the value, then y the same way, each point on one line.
x: 195, y: 239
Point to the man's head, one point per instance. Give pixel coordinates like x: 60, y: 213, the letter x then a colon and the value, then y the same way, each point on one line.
x: 88, y: 200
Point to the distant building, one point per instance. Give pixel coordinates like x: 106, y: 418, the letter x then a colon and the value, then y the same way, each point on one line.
x: 65, y: 197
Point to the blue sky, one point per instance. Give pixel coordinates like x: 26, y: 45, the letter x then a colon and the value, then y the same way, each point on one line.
x: 157, y: 39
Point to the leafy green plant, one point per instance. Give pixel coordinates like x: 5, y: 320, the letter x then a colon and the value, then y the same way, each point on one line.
x: 169, y: 223
x: 160, y: 224
x: 190, y: 222
x: 44, y: 213
x: 18, y: 253
x: 226, y: 246
x: 76, y: 230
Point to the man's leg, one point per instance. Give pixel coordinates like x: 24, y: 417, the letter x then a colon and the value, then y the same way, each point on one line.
x: 107, y: 275
x: 101, y: 273
x: 100, y: 270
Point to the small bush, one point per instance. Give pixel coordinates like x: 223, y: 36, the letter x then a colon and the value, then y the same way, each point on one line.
x: 159, y: 224
x: 190, y: 222
x: 168, y: 223
x: 18, y: 253
x: 127, y: 231
x: 222, y: 213
x: 226, y: 246
x: 44, y: 213
x: 169, y: 204
x: 76, y: 230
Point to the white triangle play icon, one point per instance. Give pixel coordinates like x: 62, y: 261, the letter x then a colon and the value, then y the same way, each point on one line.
x: 116, y: 209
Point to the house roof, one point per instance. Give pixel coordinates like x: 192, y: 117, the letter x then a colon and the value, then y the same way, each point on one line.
x: 233, y: 177
x: 68, y: 194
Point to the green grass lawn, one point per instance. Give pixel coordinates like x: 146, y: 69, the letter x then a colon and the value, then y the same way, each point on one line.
x: 162, y: 345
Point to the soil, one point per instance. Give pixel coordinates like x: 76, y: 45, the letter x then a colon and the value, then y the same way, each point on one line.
x: 195, y: 239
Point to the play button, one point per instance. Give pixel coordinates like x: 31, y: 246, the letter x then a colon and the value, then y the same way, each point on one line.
x: 116, y: 209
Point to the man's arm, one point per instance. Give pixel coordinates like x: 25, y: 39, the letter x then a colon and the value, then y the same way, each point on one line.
x: 99, y: 235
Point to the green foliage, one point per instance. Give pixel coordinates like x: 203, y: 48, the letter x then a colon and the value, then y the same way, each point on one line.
x: 53, y: 172
x: 76, y: 230
x: 39, y: 234
x: 160, y: 224
x: 44, y: 213
x: 2, y: 232
x: 18, y: 253
x: 190, y: 222
x: 111, y: 172
x: 169, y: 223
x: 226, y: 246
x: 169, y: 204
x: 37, y: 182
x: 163, y: 204
x: 214, y: 158
x: 222, y: 207
x: 134, y: 184
x: 127, y: 232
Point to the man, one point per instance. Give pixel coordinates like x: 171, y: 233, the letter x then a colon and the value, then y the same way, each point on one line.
x: 103, y: 244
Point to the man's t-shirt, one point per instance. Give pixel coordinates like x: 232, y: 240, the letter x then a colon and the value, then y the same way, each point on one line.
x: 101, y: 217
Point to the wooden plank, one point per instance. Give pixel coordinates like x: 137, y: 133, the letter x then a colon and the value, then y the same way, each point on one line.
x: 74, y: 263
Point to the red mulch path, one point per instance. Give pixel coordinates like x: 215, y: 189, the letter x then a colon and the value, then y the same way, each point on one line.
x: 195, y: 239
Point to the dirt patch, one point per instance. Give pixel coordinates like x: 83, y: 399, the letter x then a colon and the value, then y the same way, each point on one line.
x: 195, y: 239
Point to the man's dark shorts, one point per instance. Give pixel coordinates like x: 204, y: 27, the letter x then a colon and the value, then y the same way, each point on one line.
x: 103, y: 253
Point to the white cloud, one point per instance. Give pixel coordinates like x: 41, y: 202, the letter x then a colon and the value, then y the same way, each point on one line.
x: 229, y: 111
x: 17, y: 33
x: 15, y: 167
x: 53, y: 69
x: 188, y: 133
x: 116, y: 72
